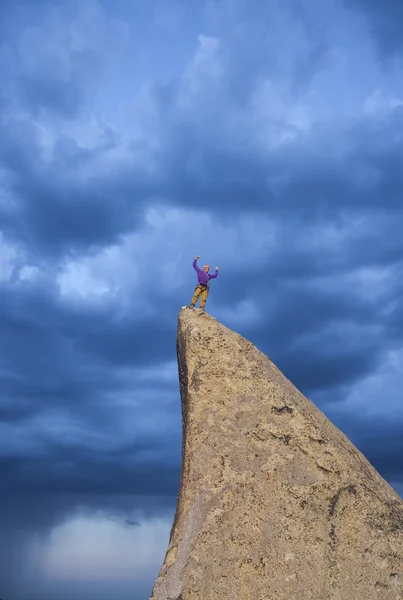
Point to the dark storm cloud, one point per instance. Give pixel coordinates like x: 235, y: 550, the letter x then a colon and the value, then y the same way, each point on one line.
x: 55, y: 212
x: 57, y: 358
x: 386, y: 20
x: 71, y: 469
x: 46, y: 345
x: 252, y: 33
x: 305, y: 178
x: 53, y: 54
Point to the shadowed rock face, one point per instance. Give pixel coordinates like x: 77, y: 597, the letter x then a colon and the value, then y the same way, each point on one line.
x: 275, y: 502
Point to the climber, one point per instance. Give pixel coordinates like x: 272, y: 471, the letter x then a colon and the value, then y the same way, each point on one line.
x: 202, y: 287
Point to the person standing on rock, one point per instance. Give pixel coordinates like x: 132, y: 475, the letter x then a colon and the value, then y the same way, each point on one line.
x: 202, y: 288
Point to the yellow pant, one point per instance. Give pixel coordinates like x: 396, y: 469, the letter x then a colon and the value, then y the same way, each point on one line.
x: 203, y: 291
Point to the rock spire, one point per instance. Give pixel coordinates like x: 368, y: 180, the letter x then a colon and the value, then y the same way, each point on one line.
x: 275, y: 502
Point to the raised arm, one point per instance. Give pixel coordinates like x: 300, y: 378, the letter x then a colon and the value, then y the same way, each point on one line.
x: 195, y: 264
x: 215, y: 274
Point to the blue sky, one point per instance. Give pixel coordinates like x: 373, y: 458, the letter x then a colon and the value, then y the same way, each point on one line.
x: 266, y: 137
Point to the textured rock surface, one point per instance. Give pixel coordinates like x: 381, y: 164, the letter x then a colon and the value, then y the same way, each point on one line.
x: 275, y: 502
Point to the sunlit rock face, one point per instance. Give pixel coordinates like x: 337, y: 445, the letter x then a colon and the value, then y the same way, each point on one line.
x: 275, y: 502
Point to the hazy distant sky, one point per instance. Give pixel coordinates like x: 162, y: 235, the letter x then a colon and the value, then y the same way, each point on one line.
x: 266, y: 137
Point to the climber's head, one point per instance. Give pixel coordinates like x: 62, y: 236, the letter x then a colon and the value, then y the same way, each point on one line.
x: 206, y: 268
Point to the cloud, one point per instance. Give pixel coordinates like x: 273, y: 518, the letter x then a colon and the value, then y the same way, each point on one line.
x: 386, y: 21
x: 54, y: 210
x: 262, y: 148
x: 53, y: 62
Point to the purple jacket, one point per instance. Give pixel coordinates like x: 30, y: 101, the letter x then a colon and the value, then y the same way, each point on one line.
x: 203, y: 277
